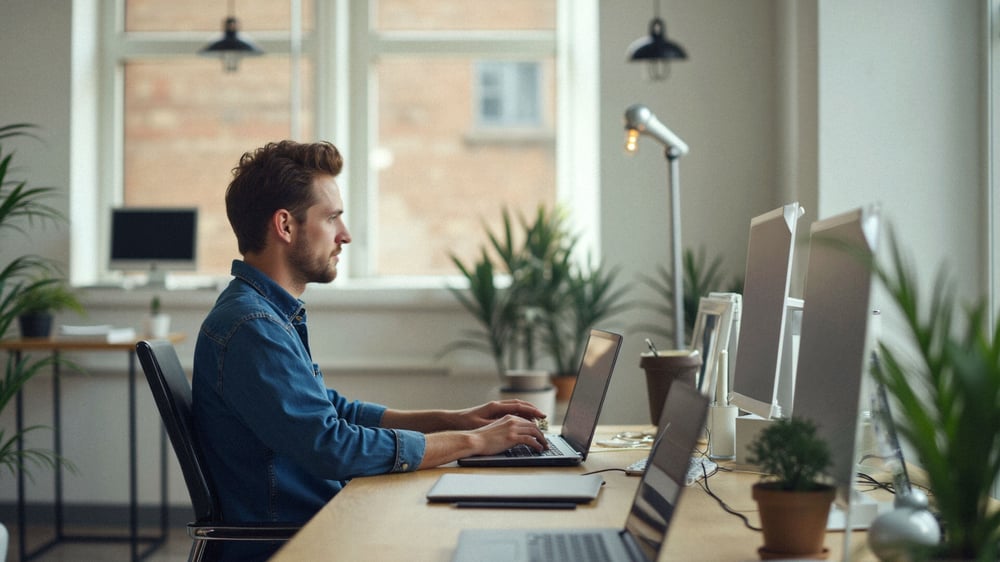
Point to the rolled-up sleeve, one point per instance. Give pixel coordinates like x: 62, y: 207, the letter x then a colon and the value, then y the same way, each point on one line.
x: 410, y: 446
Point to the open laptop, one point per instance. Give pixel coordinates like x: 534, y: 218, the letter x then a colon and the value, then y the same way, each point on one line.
x: 571, y: 446
x: 646, y: 526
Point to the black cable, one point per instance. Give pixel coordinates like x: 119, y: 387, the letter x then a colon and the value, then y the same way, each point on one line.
x: 604, y: 470
x: 704, y: 486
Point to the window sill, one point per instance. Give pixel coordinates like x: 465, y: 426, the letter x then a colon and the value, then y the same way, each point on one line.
x: 509, y: 135
x: 400, y: 294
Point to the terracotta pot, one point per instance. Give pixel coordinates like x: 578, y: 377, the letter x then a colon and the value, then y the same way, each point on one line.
x: 661, y: 372
x: 564, y: 386
x: 794, y: 523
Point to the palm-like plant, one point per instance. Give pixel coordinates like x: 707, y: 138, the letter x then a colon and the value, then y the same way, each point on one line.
x: 549, y: 300
x: 947, y: 386
x: 590, y: 296
x: 701, y: 277
x: 21, y: 204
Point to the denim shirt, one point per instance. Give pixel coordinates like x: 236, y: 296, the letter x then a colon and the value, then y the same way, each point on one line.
x: 277, y: 442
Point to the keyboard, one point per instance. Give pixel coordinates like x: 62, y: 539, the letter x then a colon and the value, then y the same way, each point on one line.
x: 697, y: 469
x: 526, y: 451
x: 570, y: 547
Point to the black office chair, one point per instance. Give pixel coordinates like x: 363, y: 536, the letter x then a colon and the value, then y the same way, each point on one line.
x: 172, y: 393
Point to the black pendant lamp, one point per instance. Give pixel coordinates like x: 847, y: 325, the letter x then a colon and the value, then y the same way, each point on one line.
x: 655, y: 49
x: 231, y: 48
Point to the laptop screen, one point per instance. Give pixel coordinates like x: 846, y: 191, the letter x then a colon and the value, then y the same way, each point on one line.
x: 592, y: 382
x: 656, y: 498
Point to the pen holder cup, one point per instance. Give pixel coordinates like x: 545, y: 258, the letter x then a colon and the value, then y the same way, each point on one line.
x: 662, y: 370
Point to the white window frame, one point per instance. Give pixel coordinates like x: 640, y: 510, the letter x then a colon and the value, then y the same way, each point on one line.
x: 344, y: 106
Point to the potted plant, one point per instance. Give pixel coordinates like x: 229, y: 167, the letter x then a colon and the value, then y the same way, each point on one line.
x: 20, y: 202
x: 158, y: 322
x: 793, y: 502
x: 531, y: 300
x: 945, y: 377
x: 39, y: 301
x: 589, y: 296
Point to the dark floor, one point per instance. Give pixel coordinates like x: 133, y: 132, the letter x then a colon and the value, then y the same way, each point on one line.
x: 175, y: 549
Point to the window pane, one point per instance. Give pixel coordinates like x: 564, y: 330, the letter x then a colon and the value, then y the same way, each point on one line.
x: 509, y: 94
x: 199, y: 15
x: 186, y: 125
x: 439, y: 181
x: 410, y: 15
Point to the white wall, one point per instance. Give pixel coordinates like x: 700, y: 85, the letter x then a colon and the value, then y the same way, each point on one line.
x: 901, y: 117
x: 758, y: 81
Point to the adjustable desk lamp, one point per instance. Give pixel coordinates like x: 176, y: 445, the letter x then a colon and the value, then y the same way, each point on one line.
x: 640, y: 120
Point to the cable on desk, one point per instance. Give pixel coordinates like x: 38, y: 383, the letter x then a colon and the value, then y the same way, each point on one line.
x: 603, y: 470
x: 704, y: 486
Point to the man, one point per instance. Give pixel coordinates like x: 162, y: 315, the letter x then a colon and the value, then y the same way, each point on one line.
x: 278, y: 443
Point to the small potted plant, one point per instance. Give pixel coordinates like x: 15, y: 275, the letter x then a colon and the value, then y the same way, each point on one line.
x: 794, y: 503
x: 158, y: 322
x: 37, y: 304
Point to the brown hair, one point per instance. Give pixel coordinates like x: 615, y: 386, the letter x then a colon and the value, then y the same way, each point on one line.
x: 276, y: 176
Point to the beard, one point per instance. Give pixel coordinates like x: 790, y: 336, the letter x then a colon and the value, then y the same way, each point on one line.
x: 309, y: 266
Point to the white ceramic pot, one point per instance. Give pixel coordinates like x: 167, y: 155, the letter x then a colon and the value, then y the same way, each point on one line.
x: 4, y: 541
x: 543, y: 398
x: 158, y: 326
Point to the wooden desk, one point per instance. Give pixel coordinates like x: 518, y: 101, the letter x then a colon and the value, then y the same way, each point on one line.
x: 388, y: 518
x: 56, y: 346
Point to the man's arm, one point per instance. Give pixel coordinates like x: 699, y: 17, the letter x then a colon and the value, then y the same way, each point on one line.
x: 444, y: 447
x: 429, y: 421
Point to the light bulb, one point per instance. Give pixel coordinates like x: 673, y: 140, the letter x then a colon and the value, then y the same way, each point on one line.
x: 631, y: 140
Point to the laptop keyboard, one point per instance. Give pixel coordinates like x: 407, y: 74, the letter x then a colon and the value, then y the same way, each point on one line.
x: 575, y: 547
x: 526, y: 451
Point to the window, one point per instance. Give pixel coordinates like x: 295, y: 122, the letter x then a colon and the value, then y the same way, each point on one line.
x: 445, y: 111
x: 509, y: 94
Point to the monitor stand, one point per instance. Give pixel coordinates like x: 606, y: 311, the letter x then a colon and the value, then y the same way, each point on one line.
x: 859, y: 514
x: 157, y: 278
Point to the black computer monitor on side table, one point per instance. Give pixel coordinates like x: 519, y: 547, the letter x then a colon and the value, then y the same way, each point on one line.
x: 155, y: 240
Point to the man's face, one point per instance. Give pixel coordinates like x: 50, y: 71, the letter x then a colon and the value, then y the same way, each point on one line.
x: 321, y: 237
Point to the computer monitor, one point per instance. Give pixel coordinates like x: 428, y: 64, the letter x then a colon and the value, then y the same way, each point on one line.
x: 834, y: 346
x: 153, y: 239
x: 763, y: 375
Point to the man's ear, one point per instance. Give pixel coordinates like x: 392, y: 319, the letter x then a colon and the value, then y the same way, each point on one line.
x: 282, y: 224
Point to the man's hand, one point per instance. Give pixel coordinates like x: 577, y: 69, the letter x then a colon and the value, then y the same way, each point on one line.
x: 509, y: 431
x: 490, y: 412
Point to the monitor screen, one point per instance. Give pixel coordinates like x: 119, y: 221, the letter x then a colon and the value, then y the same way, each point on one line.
x: 153, y: 239
x: 761, y: 375
x: 833, y: 349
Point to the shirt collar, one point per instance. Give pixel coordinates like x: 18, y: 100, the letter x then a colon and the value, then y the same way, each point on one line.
x: 267, y: 288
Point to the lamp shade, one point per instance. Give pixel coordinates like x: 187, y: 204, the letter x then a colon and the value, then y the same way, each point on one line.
x: 231, y: 48
x: 655, y: 46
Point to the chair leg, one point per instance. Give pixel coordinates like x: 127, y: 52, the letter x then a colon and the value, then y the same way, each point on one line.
x: 197, y: 551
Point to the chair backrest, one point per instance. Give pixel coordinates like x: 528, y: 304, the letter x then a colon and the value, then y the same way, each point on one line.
x: 172, y: 393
